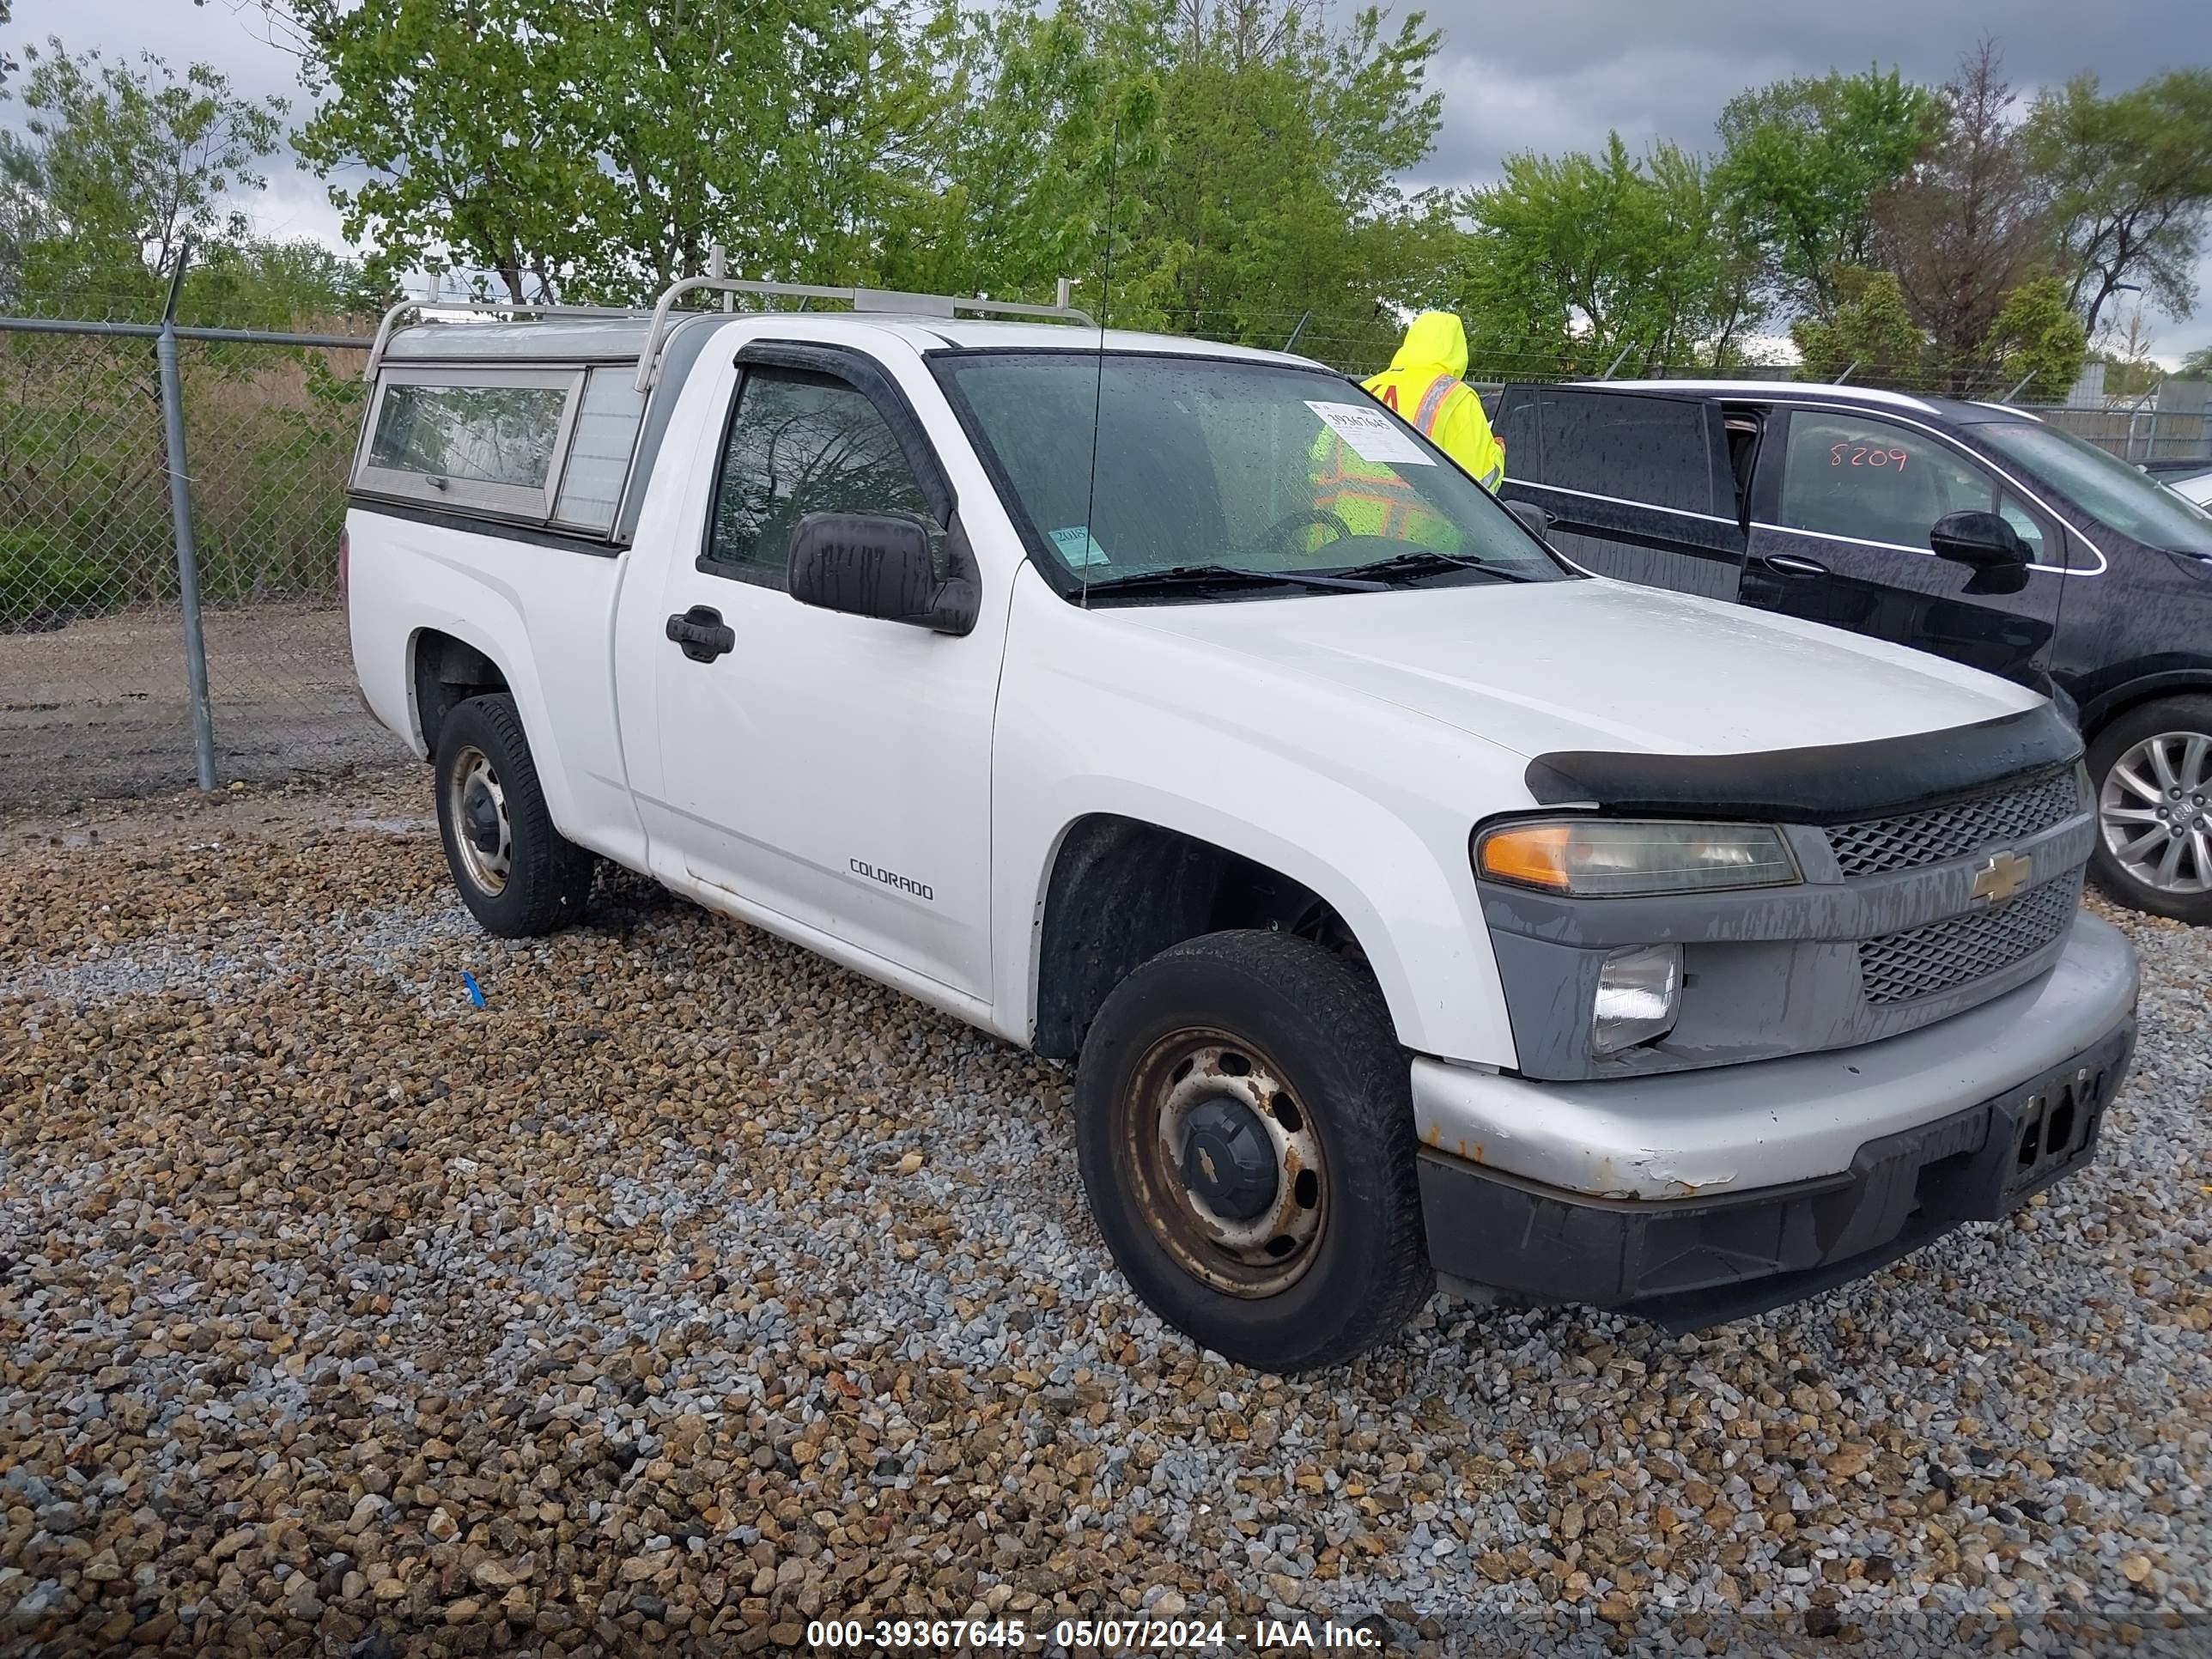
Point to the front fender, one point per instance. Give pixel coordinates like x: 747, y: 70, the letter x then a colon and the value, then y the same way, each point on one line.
x: 1414, y: 916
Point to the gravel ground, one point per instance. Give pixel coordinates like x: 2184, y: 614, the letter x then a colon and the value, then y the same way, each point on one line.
x: 693, y: 1288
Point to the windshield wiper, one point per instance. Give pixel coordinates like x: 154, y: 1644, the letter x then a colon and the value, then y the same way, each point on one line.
x: 1424, y: 560
x: 1213, y: 578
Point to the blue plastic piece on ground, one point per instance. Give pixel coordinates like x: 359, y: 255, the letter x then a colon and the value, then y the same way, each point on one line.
x: 469, y: 981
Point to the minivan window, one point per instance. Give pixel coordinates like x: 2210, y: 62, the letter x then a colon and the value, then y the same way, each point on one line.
x: 1849, y: 475
x: 1223, y: 462
x: 2102, y: 485
x: 1643, y: 449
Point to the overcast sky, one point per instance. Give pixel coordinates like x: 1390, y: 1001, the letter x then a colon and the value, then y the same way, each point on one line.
x: 1543, y: 75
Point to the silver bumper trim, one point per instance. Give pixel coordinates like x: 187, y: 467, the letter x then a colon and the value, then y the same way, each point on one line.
x: 1770, y: 1122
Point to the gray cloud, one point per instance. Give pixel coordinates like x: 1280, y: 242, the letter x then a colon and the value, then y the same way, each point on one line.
x: 1559, y: 74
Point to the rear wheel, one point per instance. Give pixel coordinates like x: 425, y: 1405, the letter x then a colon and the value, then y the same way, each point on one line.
x: 1245, y: 1132
x: 2153, y: 771
x: 519, y: 877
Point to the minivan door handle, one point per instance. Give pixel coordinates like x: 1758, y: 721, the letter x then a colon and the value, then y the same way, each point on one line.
x: 1788, y: 564
x: 702, y: 633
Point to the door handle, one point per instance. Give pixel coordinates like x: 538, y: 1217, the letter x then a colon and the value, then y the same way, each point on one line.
x: 702, y: 633
x: 1788, y: 564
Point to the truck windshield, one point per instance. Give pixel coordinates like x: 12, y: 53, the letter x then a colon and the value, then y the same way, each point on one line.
x: 2107, y: 489
x: 1212, y: 473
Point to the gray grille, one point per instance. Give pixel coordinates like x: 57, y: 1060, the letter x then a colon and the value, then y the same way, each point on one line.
x: 1948, y: 832
x: 1960, y: 950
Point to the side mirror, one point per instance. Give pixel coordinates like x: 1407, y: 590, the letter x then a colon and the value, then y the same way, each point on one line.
x: 1983, y: 540
x: 878, y: 565
x: 1539, y: 522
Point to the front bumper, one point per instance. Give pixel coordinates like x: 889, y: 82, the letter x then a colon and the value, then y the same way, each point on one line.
x: 1703, y: 1196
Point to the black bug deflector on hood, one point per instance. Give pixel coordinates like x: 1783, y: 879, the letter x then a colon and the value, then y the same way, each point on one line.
x: 1830, y: 784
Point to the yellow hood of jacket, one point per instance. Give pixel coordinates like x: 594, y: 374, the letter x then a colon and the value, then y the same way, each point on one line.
x: 1435, y: 344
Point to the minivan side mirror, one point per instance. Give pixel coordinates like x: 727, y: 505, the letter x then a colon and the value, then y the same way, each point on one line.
x: 1539, y: 522
x: 1980, y: 539
x: 880, y: 565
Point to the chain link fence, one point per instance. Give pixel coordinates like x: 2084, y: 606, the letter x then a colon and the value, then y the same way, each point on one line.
x: 95, y: 698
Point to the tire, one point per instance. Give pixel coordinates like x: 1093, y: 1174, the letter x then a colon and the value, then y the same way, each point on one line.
x: 534, y: 880
x: 2178, y: 729
x: 1299, y: 1044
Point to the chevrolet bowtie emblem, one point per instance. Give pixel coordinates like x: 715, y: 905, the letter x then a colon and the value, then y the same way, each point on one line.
x: 2002, y: 876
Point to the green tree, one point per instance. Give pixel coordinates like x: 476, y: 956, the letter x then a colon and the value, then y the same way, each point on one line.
x: 261, y: 283
x: 599, y: 148
x: 2130, y: 369
x: 1800, y: 163
x: 1969, y: 222
x: 2197, y: 365
x: 1237, y: 159
x: 118, y: 167
x: 1871, y: 335
x: 1033, y: 118
x: 2037, y: 342
x: 2132, y: 184
x: 1278, y: 148
x: 1571, y: 259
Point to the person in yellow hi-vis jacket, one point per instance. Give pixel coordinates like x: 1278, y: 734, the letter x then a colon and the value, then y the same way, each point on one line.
x: 1425, y: 384
x: 1422, y: 385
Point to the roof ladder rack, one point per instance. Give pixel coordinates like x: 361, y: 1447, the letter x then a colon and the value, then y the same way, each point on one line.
x: 860, y: 299
x: 405, y: 308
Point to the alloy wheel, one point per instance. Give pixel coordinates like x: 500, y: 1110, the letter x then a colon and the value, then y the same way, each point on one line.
x: 2155, y: 811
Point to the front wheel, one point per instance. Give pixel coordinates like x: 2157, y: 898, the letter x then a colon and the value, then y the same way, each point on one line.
x: 1245, y: 1132
x: 2152, y: 769
x: 519, y: 877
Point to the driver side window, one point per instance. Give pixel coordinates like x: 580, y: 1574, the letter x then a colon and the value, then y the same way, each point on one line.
x: 1847, y: 475
x: 799, y: 443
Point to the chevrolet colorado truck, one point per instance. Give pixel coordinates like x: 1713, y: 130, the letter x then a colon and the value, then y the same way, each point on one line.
x: 1416, y: 908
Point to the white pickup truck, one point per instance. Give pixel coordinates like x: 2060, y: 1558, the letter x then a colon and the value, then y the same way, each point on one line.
x: 1415, y: 906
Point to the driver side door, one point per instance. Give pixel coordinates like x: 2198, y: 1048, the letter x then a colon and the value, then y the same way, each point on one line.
x: 834, y: 769
x: 1839, y: 535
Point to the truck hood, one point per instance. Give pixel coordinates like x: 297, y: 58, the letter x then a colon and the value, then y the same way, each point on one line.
x: 1601, y: 665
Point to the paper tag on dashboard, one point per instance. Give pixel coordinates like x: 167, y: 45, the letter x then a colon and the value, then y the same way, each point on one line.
x: 1080, y: 547
x: 1372, y: 435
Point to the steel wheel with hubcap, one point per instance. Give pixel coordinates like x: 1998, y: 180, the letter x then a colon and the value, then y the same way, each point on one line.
x: 519, y: 876
x: 1244, y: 1126
x: 479, y: 806
x: 1228, y: 1167
x: 2153, y: 768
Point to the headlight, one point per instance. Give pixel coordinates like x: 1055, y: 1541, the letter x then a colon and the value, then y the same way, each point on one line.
x: 1639, y: 991
x: 1609, y: 858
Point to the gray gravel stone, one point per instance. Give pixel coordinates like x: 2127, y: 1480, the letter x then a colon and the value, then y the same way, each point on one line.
x: 694, y: 1289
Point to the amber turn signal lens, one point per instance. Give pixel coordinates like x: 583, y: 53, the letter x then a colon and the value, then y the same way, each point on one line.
x: 1619, y: 858
x: 1535, y: 856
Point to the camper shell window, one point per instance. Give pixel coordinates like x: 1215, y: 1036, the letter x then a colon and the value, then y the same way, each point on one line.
x: 546, y: 444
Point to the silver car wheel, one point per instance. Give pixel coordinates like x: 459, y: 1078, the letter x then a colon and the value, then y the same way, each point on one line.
x: 2156, y: 811
x: 481, y: 830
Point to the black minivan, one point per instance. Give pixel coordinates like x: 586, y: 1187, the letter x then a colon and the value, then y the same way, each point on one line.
x: 1971, y: 530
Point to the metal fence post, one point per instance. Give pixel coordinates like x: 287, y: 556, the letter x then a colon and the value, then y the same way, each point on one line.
x: 181, y: 519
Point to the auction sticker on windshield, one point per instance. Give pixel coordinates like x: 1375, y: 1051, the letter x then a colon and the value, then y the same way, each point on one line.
x: 1371, y: 435
x: 1078, y: 546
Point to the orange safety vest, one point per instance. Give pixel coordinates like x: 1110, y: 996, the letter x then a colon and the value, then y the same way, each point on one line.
x: 1371, y: 497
